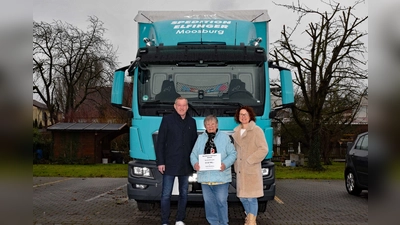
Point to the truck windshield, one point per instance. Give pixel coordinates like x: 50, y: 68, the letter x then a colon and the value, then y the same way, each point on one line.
x: 217, y: 89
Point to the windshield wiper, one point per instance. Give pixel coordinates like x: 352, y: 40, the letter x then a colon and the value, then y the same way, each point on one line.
x: 192, y: 107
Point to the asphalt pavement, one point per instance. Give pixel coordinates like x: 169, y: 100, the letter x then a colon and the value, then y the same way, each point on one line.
x: 58, y: 200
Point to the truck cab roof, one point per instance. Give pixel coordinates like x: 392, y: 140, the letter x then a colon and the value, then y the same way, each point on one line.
x: 245, y: 15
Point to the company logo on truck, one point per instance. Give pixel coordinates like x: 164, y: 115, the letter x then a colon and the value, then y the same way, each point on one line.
x: 201, y: 26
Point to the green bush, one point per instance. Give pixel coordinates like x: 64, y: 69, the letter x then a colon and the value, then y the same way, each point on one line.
x: 42, y: 141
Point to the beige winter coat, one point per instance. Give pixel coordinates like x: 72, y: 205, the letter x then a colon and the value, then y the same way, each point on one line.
x: 251, y: 149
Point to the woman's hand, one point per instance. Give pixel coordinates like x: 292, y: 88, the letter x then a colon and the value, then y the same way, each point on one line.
x: 223, y: 167
x: 196, y: 166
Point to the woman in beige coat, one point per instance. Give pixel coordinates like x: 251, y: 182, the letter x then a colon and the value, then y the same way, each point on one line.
x: 252, y: 148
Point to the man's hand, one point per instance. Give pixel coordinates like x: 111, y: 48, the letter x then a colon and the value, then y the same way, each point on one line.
x: 161, y: 168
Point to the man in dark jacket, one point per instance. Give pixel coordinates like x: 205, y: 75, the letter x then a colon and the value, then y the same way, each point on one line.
x: 176, y: 137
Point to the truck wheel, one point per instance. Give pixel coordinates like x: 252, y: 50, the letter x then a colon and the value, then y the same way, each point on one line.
x: 145, y: 206
x: 351, y: 183
x: 262, y: 207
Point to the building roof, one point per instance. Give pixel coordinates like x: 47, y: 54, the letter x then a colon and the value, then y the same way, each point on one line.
x: 88, y: 126
x: 39, y: 104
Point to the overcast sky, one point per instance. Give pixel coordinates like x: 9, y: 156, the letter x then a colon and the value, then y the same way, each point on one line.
x: 118, y: 15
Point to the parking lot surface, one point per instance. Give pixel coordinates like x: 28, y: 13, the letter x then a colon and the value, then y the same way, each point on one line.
x: 58, y: 200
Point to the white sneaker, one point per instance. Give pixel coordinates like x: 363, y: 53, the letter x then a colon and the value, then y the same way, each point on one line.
x: 179, y: 223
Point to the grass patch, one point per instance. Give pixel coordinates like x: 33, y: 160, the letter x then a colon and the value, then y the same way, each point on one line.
x: 334, y: 171
x: 95, y: 170
x: 331, y: 172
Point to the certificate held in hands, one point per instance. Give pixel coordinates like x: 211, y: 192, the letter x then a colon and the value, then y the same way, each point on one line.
x: 210, y: 162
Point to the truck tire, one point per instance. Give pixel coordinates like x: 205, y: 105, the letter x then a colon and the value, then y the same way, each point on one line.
x: 145, y: 206
x: 262, y: 207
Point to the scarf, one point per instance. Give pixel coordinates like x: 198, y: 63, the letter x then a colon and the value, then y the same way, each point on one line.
x: 210, y: 147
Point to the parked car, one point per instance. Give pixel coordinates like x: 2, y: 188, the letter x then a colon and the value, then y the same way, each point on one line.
x: 356, y: 169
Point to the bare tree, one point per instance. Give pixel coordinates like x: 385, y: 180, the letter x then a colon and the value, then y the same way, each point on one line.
x: 69, y: 64
x: 329, y: 73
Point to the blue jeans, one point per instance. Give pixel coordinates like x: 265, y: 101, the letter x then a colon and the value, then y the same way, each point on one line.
x: 250, y: 205
x: 167, y: 185
x: 216, y: 203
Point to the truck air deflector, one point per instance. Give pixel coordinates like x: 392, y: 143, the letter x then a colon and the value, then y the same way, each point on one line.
x: 136, y: 150
x: 269, y: 135
x: 246, y: 15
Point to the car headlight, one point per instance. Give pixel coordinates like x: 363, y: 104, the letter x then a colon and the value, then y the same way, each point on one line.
x: 142, y: 171
x: 265, y: 171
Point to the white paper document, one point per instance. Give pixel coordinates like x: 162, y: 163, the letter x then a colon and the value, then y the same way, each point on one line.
x: 210, y: 162
x: 175, y: 188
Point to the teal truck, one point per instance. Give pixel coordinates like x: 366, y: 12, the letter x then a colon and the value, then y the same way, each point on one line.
x: 218, y: 60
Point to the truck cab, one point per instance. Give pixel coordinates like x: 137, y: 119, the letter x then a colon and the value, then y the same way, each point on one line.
x: 219, y: 62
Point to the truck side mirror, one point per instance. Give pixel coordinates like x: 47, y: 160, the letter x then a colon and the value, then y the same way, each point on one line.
x: 287, y: 86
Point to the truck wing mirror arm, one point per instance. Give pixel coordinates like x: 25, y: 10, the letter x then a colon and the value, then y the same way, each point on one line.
x: 275, y: 110
x: 121, y: 107
x: 133, y: 66
x: 127, y: 109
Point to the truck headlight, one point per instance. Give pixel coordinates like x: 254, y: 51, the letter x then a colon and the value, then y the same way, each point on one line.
x: 193, y: 178
x: 265, y: 171
x: 142, y: 171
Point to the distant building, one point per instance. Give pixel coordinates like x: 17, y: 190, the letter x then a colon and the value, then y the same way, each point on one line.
x: 86, y: 135
x: 362, y: 114
x: 85, y: 142
x: 41, y: 114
